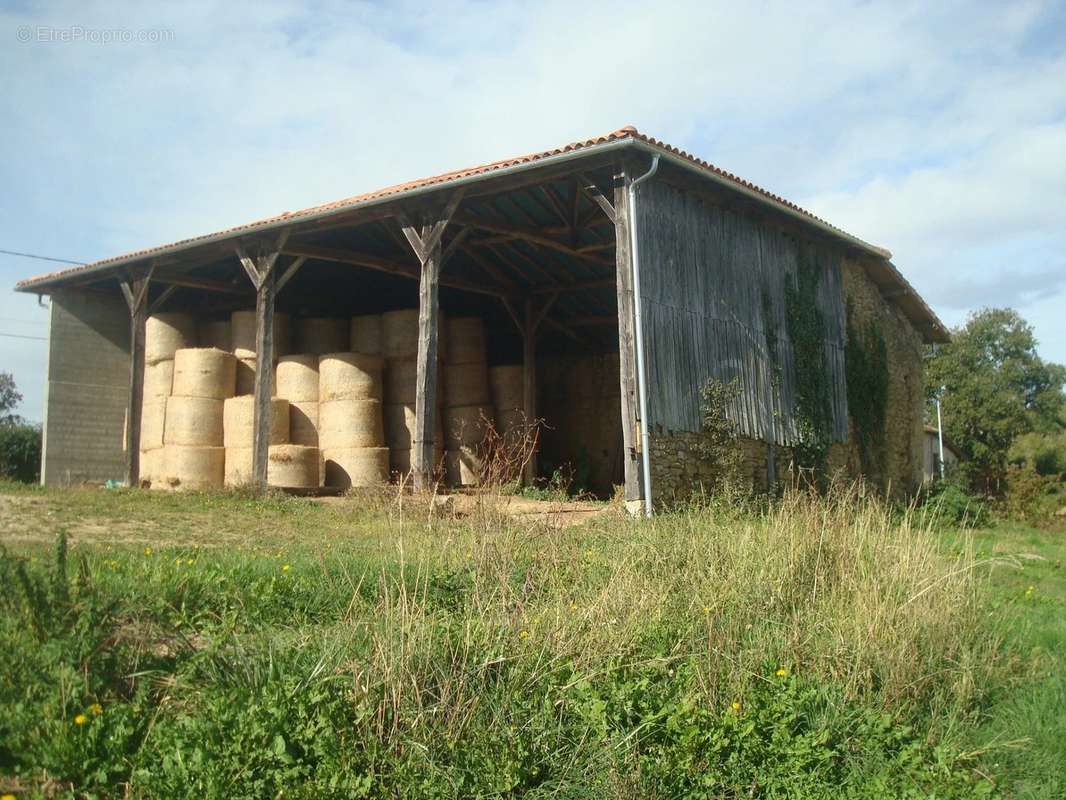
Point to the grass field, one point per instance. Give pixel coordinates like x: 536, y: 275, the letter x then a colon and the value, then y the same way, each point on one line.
x: 229, y: 646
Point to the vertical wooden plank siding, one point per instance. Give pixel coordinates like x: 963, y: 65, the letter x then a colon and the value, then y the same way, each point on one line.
x: 713, y: 285
x: 627, y: 365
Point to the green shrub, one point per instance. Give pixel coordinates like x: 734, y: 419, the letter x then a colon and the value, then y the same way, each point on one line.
x: 949, y: 503
x: 20, y: 452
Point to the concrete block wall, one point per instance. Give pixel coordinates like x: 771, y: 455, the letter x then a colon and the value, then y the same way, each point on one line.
x: 86, y: 393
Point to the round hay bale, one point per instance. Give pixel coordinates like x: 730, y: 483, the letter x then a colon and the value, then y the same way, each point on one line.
x: 303, y: 422
x: 506, y: 386
x: 296, y: 378
x: 366, y: 335
x: 466, y: 340
x: 244, y: 382
x: 399, y: 422
x: 320, y: 335
x: 356, y: 466
x: 153, y: 420
x: 216, y: 333
x: 165, y: 334
x: 462, y: 467
x: 349, y: 376
x: 158, y: 379
x: 242, y: 334
x: 466, y: 425
x: 194, y: 467
x: 193, y: 422
x: 399, y: 333
x: 466, y: 384
x: 204, y: 372
x: 293, y: 466
x: 152, y: 468
x: 400, y: 380
x: 240, y: 470
x: 510, y: 420
x: 350, y: 423
x: 237, y: 421
x: 400, y: 461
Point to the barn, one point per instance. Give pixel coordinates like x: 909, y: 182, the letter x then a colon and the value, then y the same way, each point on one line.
x: 597, y: 287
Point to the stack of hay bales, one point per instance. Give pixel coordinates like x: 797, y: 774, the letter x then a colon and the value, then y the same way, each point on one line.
x: 164, y: 335
x: 242, y: 339
x: 297, y: 381
x: 350, y: 430
x: 194, y: 456
x: 321, y: 335
x: 216, y: 333
x: 290, y: 466
x: 399, y: 346
x: 507, y: 388
x: 467, y: 400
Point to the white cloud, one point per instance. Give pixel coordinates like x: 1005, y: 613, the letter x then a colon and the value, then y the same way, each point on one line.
x: 936, y: 132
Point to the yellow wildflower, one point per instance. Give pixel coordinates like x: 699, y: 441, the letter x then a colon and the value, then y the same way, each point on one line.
x: 97, y: 709
x: 7, y: 797
x: 706, y: 609
x: 189, y: 562
x: 523, y: 634
x: 573, y: 606
x: 735, y: 706
x: 148, y: 551
x: 781, y: 673
x: 81, y: 719
x: 285, y: 568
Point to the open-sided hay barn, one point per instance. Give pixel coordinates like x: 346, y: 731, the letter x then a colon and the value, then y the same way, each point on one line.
x: 618, y: 274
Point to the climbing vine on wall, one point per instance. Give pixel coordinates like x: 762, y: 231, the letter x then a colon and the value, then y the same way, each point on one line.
x: 866, y: 365
x: 806, y: 330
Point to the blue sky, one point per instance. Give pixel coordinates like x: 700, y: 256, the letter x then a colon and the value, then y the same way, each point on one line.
x: 938, y: 133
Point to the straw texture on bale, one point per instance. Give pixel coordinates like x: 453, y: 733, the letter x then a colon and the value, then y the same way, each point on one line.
x: 238, y: 426
x: 366, y: 335
x: 216, y: 333
x: 293, y: 466
x: 303, y: 422
x: 356, y: 466
x: 320, y: 335
x: 400, y: 461
x: 350, y: 423
x: 242, y: 334
x: 466, y: 340
x: 349, y: 376
x: 462, y: 467
x: 399, y: 333
x: 466, y: 424
x: 240, y: 469
x: 245, y: 376
x: 165, y: 334
x: 158, y: 379
x: 152, y: 468
x: 401, y: 381
x: 510, y: 420
x: 399, y: 421
x: 466, y: 384
x: 194, y: 467
x: 153, y: 416
x: 204, y: 372
x: 296, y: 377
x: 193, y: 421
x: 506, y: 387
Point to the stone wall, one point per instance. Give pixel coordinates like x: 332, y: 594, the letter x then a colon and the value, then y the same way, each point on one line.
x: 86, y: 394
x: 679, y: 470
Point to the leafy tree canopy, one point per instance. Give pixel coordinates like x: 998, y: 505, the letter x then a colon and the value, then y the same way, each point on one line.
x: 9, y: 398
x: 994, y: 388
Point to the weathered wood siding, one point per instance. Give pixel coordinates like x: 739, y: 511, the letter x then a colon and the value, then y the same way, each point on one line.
x: 713, y: 285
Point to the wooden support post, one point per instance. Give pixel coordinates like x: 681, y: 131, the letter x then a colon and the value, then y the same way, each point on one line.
x: 263, y: 275
x: 529, y: 383
x: 426, y: 244
x: 136, y: 293
x: 627, y: 351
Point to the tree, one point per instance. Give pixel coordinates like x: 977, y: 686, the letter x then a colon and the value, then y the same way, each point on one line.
x: 9, y: 398
x: 994, y: 388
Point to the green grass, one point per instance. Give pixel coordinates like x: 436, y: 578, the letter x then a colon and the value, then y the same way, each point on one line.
x: 259, y: 647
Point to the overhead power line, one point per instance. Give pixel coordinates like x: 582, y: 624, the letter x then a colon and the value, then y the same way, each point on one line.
x: 22, y: 336
x: 41, y: 258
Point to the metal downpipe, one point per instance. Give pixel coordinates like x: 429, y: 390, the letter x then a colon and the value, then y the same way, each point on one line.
x: 642, y: 378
